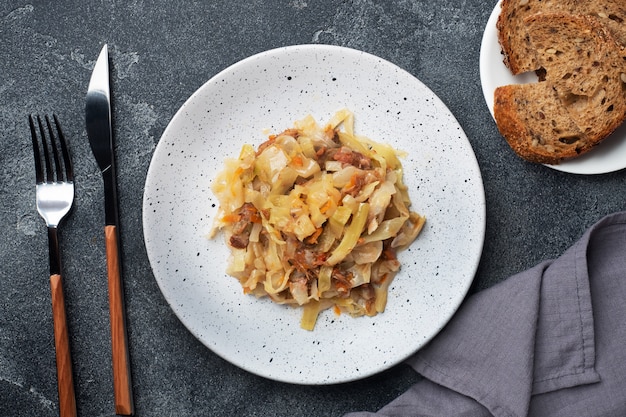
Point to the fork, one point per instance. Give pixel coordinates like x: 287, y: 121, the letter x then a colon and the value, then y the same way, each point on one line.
x: 55, y: 195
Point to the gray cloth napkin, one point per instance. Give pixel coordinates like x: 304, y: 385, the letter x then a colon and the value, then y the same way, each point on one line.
x: 550, y: 341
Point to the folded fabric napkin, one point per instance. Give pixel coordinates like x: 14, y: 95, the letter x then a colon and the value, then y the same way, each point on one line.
x: 550, y: 341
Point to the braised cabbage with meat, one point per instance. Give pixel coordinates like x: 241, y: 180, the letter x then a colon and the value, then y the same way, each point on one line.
x: 315, y: 216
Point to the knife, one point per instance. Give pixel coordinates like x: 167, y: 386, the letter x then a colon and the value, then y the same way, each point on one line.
x: 98, y: 121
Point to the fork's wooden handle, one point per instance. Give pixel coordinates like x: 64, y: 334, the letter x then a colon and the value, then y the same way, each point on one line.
x: 65, y: 380
x: 122, y: 386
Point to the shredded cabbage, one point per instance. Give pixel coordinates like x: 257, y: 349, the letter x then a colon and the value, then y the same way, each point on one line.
x: 315, y: 216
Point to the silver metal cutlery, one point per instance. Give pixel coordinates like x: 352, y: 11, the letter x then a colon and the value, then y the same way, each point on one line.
x: 99, y: 131
x: 55, y: 195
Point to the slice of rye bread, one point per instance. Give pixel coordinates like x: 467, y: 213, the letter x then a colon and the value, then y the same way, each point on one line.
x: 527, y: 114
x: 519, y: 54
x: 582, y: 99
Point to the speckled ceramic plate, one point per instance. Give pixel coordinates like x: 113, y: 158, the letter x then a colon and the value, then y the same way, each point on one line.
x: 267, y: 93
x: 609, y: 156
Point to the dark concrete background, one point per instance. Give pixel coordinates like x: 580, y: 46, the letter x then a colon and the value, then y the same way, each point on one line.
x: 162, y: 51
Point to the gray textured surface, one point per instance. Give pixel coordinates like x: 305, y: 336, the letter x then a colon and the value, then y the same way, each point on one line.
x: 162, y: 52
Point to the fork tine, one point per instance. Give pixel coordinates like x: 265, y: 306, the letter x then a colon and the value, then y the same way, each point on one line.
x: 46, y: 152
x: 33, y: 133
x: 69, y: 170
x: 55, y: 150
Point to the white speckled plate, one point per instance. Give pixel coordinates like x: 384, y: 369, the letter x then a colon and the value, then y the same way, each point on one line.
x: 268, y: 92
x: 609, y: 156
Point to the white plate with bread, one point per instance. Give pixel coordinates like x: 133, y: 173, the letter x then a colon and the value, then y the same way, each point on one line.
x: 610, y: 153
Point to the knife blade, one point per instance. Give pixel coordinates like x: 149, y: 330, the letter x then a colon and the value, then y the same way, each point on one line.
x: 99, y: 131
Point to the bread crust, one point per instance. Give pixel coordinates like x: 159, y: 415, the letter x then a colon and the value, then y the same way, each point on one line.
x: 514, y: 42
x: 510, y: 125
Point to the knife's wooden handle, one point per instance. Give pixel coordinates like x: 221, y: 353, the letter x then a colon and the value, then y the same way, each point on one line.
x: 122, y: 386
x: 65, y: 380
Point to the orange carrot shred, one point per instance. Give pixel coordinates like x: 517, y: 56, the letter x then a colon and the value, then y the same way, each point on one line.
x: 231, y: 218
x: 313, y: 238
x: 326, y: 207
x: 297, y: 161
